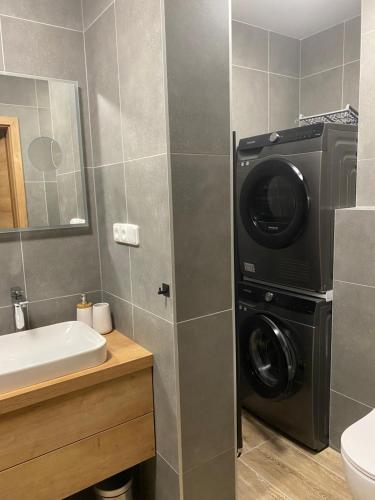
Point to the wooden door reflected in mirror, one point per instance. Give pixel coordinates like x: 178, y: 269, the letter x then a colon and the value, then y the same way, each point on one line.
x: 13, y: 210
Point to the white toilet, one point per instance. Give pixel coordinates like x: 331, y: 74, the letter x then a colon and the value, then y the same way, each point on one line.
x: 358, y: 455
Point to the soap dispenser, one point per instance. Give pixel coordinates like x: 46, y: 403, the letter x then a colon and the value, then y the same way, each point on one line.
x: 84, y: 311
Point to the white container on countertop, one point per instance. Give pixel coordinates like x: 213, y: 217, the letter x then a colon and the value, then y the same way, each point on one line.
x: 101, y: 319
x: 84, y: 311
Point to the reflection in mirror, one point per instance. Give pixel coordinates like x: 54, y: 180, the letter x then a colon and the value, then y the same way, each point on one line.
x: 41, y: 171
x: 45, y: 154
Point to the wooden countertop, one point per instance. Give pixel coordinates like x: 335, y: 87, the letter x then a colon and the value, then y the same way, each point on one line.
x: 124, y: 357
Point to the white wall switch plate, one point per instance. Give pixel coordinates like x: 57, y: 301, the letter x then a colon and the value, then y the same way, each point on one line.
x: 126, y: 233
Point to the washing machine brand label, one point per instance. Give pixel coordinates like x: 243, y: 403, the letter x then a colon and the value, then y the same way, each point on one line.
x: 248, y: 267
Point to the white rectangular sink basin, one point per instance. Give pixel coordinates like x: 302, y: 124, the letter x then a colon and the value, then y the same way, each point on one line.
x: 33, y: 356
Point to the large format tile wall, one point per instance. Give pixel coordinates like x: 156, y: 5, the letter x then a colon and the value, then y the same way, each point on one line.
x: 353, y: 358
x: 161, y: 169
x: 265, y: 79
x: 275, y: 77
x: 329, y: 77
x: 198, y: 77
x: 125, y: 74
x: 45, y: 38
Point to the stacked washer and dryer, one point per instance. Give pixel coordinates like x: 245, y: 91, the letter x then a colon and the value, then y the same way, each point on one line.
x: 287, y: 187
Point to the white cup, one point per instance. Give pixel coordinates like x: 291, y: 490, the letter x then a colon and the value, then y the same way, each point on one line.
x: 101, y: 318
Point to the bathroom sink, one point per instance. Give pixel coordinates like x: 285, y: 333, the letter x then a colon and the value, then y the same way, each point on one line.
x: 33, y: 356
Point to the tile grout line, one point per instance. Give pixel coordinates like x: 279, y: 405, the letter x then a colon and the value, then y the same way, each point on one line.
x: 351, y: 282
x: 329, y: 69
x: 343, y: 66
x: 138, y: 307
x: 2, y: 41
x: 268, y: 83
x: 204, y: 316
x: 86, y: 28
x: 291, y: 77
x: 352, y: 399
x: 92, y: 160
x: 41, y: 22
x: 122, y: 126
x: 23, y: 265
x: 63, y: 296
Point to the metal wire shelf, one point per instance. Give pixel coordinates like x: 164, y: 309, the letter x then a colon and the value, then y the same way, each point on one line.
x: 346, y: 116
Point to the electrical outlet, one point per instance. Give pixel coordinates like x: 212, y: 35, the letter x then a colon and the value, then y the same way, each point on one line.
x: 127, y: 234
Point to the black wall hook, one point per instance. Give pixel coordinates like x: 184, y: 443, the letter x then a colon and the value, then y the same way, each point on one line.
x: 164, y: 290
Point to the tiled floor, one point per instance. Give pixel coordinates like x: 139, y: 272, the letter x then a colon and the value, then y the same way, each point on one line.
x: 272, y: 467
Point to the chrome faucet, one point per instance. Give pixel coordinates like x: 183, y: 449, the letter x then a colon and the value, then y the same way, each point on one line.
x: 19, y: 303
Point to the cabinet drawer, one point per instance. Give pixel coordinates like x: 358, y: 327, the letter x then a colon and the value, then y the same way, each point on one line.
x: 41, y: 428
x: 72, y: 468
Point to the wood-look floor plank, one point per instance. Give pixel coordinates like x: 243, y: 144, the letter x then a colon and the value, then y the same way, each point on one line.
x: 294, y: 473
x: 251, y: 486
x: 254, y: 432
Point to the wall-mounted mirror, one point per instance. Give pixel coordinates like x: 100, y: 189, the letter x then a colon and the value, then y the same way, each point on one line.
x: 41, y: 168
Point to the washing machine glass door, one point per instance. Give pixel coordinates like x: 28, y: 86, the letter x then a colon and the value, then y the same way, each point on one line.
x: 274, y: 203
x: 271, y: 361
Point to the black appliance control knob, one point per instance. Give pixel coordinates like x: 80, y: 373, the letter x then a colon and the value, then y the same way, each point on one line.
x: 268, y: 297
x: 274, y: 137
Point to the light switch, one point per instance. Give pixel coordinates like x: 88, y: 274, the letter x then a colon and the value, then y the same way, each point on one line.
x: 126, y: 233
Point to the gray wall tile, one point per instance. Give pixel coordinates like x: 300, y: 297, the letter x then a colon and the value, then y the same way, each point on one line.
x: 344, y: 412
x: 141, y: 77
x: 52, y: 199
x: 352, y: 46
x: 157, y: 336
x: 322, y: 92
x: 15, y: 90
x: 72, y: 256
x: 322, y: 51
x: 122, y: 314
x: 249, y: 102
x: 158, y: 481
x: 92, y: 9
x: 351, y: 84
x: 67, y: 197
x: 48, y: 312
x: 111, y: 206
x: 284, y: 102
x: 6, y: 320
x: 67, y: 13
x: 249, y: 46
x: 37, y: 49
x: 62, y: 262
x: 201, y: 220
x: 366, y: 183
x: 206, y: 388
x: 214, y: 480
x: 368, y: 15
x: 42, y: 93
x: 366, y: 148
x: 104, y: 90
x: 11, y: 271
x: 149, y: 208
x: 198, y: 121
x: 353, y: 341
x: 352, y: 226
x: 36, y: 204
x: 284, y: 55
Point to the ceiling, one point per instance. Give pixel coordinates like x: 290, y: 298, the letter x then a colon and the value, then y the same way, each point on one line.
x: 295, y: 18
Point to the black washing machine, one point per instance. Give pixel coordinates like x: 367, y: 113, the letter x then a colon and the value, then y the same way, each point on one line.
x: 283, y: 343
x: 287, y: 187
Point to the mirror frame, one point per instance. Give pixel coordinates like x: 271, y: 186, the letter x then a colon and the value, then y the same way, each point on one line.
x: 81, y: 156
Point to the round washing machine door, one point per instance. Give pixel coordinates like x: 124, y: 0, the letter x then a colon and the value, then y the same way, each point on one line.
x: 270, y: 357
x: 274, y: 203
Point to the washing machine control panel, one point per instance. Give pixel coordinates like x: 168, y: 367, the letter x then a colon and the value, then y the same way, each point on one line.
x: 258, y: 296
x: 282, y: 137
